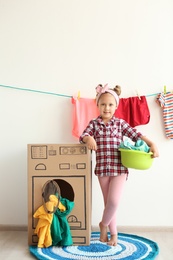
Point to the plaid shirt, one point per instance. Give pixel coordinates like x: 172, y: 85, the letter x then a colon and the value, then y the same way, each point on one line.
x: 108, y: 138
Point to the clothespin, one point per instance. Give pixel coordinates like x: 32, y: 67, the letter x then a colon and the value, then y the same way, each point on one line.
x: 137, y: 93
x: 78, y: 95
x: 164, y: 91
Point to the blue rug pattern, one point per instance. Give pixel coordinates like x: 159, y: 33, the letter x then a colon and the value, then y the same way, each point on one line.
x: 129, y: 247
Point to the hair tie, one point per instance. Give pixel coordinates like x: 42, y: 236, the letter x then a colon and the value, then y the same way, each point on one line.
x: 101, y: 90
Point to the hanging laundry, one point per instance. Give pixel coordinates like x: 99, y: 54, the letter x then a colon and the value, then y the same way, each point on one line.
x: 165, y: 100
x: 133, y: 110
x: 84, y: 109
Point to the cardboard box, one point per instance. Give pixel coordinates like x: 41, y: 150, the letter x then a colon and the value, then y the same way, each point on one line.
x: 70, y: 166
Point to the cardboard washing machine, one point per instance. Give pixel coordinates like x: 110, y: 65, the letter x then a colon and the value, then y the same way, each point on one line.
x: 70, y: 166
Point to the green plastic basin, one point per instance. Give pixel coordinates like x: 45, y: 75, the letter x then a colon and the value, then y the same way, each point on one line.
x: 136, y: 159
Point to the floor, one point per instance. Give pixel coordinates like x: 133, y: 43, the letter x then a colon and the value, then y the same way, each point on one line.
x: 13, y: 244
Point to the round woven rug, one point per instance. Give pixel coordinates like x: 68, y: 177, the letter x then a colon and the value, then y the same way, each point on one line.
x: 130, y: 247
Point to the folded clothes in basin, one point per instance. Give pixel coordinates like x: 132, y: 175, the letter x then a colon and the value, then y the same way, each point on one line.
x: 140, y: 145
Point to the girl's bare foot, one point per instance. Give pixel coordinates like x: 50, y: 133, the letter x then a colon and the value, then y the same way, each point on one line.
x: 113, y: 240
x: 103, y: 233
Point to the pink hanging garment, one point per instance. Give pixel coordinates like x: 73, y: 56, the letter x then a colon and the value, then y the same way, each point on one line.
x: 84, y: 110
x: 133, y: 110
x: 166, y: 102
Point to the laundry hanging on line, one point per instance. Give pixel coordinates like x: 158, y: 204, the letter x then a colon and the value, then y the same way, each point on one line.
x: 165, y: 101
x: 84, y: 109
x: 133, y: 110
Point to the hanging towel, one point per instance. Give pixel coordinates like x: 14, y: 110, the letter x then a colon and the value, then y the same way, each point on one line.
x: 133, y: 110
x: 166, y: 102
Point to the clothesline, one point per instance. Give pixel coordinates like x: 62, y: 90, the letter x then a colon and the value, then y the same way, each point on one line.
x: 52, y: 93
x: 36, y: 91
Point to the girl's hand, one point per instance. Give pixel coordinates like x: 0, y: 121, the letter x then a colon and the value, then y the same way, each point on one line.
x: 153, y: 147
x: 90, y: 142
x: 154, y: 150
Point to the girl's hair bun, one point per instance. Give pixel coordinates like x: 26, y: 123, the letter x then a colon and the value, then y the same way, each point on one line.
x: 117, y: 89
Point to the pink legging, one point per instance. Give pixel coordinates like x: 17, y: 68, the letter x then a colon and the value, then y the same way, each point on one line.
x: 112, y: 187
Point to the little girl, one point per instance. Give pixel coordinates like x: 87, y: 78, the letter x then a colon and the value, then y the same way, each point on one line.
x: 104, y: 135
